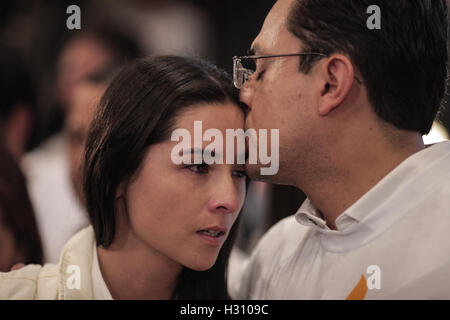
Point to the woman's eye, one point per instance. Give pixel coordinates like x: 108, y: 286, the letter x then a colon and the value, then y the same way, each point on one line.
x: 240, y: 173
x: 199, y: 168
x: 260, y: 75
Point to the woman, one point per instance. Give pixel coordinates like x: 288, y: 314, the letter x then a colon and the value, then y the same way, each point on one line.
x: 159, y: 230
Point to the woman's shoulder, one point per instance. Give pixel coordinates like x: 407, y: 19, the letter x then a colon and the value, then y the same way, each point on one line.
x: 30, y: 282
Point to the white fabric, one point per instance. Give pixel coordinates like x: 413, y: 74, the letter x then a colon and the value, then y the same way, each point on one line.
x: 59, y: 214
x: 402, y: 226
x: 55, y: 281
x: 236, y: 264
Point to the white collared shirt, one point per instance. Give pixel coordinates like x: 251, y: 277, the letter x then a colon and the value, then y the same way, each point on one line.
x: 393, y: 243
x: 77, y: 276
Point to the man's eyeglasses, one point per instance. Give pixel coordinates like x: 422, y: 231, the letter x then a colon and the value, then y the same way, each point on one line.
x: 245, y: 66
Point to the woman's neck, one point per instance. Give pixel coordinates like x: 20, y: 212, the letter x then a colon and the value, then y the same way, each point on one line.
x: 133, y: 270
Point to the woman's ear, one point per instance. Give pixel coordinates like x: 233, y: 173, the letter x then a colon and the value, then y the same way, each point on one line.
x: 337, y: 74
x: 120, y: 204
x: 121, y: 189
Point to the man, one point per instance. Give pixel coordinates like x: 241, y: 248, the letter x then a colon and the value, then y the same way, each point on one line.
x: 352, y: 105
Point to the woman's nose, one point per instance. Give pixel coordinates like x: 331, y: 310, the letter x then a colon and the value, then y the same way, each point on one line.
x: 224, y: 198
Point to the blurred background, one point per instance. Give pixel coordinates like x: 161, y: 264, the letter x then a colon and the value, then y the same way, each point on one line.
x: 51, y: 78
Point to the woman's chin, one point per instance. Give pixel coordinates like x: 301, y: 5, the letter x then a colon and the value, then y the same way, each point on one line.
x: 202, y: 264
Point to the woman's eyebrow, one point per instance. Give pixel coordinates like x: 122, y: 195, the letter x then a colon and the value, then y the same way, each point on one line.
x: 199, y: 151
x: 192, y: 150
x: 214, y: 153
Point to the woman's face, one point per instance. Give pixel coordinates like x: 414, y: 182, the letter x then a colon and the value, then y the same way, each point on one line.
x: 185, y: 212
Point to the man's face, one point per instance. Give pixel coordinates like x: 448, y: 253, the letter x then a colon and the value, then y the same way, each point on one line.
x: 278, y: 95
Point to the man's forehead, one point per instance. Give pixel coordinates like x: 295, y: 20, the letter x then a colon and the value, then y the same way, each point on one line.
x: 274, y: 27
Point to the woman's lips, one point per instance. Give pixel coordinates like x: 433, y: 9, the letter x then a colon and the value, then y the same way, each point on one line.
x: 214, y: 235
x: 213, y: 241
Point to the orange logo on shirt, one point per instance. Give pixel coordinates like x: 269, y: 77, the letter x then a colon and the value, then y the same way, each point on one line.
x: 360, y: 290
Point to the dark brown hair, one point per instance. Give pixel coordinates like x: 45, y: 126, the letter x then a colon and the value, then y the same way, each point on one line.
x: 403, y: 64
x: 137, y: 110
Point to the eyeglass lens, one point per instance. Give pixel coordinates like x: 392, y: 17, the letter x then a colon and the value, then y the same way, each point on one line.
x: 243, y: 68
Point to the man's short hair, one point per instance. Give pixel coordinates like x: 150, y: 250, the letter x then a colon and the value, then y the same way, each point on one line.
x: 403, y: 64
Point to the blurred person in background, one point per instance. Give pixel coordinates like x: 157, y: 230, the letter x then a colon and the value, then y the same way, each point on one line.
x: 38, y: 30
x: 81, y: 110
x: 90, y: 50
x: 58, y: 210
x: 19, y: 235
x: 17, y: 101
x: 168, y: 26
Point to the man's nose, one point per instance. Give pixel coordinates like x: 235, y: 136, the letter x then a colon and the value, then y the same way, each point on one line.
x: 246, y: 94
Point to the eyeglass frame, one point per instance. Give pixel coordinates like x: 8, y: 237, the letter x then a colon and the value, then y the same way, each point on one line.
x: 247, y: 72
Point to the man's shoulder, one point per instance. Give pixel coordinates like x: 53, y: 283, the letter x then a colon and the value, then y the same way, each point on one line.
x: 287, y: 229
x: 272, y: 253
x: 282, y: 239
x: 30, y: 282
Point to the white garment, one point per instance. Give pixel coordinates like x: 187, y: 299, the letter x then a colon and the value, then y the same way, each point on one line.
x: 401, y: 226
x: 59, y: 214
x: 56, y: 281
x: 236, y: 263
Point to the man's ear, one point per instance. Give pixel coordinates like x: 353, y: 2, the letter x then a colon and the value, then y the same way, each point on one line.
x: 337, y: 75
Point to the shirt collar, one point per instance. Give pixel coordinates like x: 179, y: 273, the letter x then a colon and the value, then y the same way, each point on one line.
x: 414, y: 167
x: 77, y: 252
x: 309, y: 215
x: 81, y: 251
